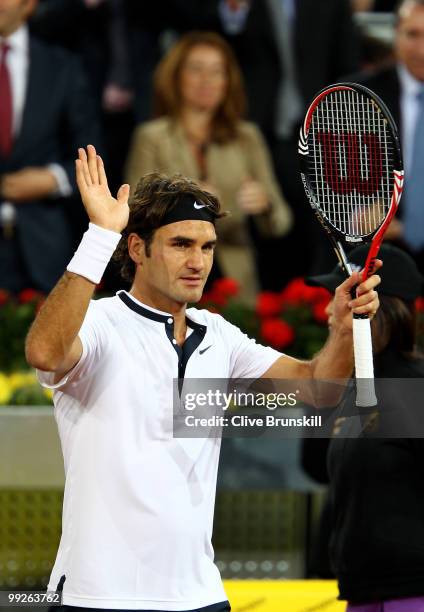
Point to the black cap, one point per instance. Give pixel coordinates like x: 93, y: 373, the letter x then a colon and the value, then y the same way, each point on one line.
x: 400, y: 276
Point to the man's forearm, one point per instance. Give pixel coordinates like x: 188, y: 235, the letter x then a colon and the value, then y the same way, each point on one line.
x: 335, y: 360
x: 52, y: 343
x: 58, y: 322
x: 322, y: 380
x: 331, y: 369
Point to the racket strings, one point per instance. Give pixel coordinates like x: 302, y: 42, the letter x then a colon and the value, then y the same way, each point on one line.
x: 352, y: 162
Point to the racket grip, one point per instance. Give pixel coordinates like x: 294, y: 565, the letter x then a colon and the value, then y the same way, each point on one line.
x: 364, y: 368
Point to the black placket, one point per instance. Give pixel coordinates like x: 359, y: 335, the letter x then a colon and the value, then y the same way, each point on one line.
x: 185, y: 351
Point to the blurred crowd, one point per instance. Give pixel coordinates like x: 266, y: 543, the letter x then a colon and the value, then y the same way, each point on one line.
x: 215, y: 90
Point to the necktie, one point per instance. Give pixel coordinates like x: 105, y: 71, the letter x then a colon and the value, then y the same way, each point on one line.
x: 413, y: 206
x: 5, y: 104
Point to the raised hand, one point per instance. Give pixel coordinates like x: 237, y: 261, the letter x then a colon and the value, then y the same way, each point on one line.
x: 102, y: 208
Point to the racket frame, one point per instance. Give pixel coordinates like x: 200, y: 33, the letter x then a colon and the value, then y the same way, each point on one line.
x: 362, y: 332
x: 375, y: 237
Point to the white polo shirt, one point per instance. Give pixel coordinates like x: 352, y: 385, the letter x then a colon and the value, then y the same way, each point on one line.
x: 138, y: 504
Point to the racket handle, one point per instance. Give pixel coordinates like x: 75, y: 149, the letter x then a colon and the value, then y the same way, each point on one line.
x: 364, y: 368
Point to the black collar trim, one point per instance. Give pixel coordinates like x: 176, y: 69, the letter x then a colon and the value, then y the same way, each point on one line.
x: 185, y: 351
x: 154, y: 316
x: 144, y: 312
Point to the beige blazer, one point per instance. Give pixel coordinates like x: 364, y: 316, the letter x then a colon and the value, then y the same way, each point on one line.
x: 161, y: 145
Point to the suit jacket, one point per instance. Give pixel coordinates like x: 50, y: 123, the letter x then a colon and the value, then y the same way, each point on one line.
x: 161, y: 145
x: 58, y: 118
x: 385, y: 83
x: 86, y: 31
x: 325, y: 48
x: 82, y: 30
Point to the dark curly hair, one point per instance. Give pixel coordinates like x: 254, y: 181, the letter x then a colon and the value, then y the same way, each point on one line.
x: 154, y: 196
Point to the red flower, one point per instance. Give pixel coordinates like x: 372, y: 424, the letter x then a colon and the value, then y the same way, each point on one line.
x: 30, y: 295
x: 214, y: 297
x: 227, y: 286
x: 268, y: 304
x: 419, y: 304
x: 321, y: 295
x: 206, y: 300
x: 293, y: 291
x: 218, y: 298
x: 4, y: 297
x: 297, y: 291
x: 319, y: 311
x: 277, y: 333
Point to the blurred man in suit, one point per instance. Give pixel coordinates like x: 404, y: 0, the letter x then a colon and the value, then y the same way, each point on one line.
x: 46, y: 113
x: 298, y: 45
x: 289, y: 50
x: 401, y: 86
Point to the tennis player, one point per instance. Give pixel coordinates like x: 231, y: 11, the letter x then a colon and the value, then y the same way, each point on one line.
x: 138, y: 504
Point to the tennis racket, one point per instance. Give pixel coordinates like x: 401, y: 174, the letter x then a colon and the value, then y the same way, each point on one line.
x: 352, y: 172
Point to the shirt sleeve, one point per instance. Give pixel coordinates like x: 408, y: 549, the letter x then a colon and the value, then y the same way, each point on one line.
x: 64, y: 188
x: 93, y: 335
x: 248, y: 359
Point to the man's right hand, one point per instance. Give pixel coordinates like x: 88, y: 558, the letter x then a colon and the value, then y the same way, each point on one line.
x: 102, y: 208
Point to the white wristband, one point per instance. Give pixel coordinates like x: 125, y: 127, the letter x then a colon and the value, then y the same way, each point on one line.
x: 94, y: 252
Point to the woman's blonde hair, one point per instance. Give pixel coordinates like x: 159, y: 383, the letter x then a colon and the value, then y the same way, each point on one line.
x: 166, y: 84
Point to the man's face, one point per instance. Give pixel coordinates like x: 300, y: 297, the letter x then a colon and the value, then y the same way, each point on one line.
x: 181, y: 257
x: 409, y: 43
x: 13, y: 13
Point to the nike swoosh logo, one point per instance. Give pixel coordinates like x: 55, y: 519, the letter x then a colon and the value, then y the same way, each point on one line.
x: 204, y: 350
x: 197, y: 206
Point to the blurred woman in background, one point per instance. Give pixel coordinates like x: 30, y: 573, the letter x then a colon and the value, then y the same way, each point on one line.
x: 199, y: 101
